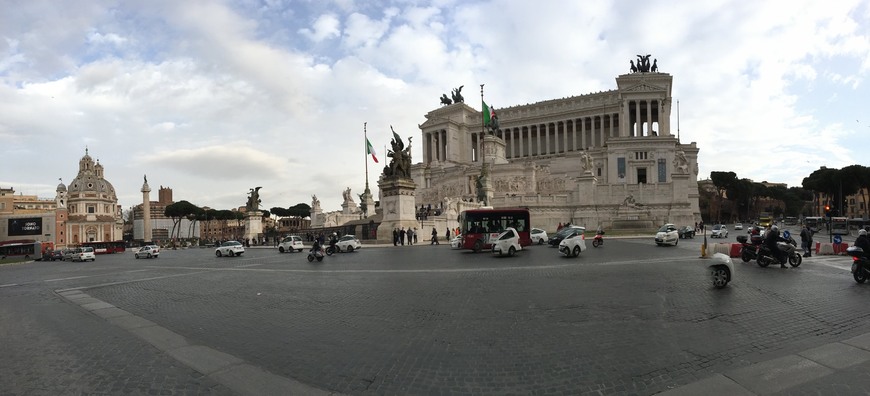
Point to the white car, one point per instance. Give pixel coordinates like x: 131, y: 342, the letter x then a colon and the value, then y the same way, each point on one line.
x: 292, y: 243
x: 147, y: 251
x: 738, y: 226
x: 83, y: 254
x: 539, y: 236
x: 719, y: 231
x: 229, y: 248
x: 574, y: 243
x: 456, y: 242
x: 508, y: 242
x: 667, y: 235
x: 348, y: 243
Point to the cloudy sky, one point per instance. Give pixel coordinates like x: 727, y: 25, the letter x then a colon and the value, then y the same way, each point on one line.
x: 212, y: 98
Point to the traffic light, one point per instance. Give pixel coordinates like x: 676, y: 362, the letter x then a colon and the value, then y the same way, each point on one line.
x: 828, y: 210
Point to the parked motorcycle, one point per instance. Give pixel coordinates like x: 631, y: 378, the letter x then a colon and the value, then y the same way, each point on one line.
x: 598, y: 240
x: 788, y: 247
x: 860, y: 264
x: 315, y: 255
x: 749, y: 248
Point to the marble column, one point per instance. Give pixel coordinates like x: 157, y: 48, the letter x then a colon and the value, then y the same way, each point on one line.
x: 649, y: 124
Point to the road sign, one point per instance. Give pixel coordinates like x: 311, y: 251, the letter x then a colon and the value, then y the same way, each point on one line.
x: 838, y: 239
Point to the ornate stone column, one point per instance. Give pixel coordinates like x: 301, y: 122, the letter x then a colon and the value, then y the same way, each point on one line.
x: 146, y: 213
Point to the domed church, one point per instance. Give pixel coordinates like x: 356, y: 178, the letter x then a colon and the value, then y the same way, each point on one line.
x: 91, y: 204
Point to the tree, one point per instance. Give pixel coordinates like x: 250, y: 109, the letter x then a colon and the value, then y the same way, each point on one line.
x: 280, y: 212
x: 177, y: 211
x: 722, y: 180
x: 299, y: 210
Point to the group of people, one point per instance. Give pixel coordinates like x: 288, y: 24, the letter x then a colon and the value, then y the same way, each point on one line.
x: 400, y: 235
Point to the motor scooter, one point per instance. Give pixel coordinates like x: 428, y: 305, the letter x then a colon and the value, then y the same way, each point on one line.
x: 787, y: 246
x: 749, y: 249
x: 598, y: 240
x: 860, y: 264
x: 315, y: 255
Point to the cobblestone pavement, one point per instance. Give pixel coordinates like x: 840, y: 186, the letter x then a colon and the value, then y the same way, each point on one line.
x: 628, y: 318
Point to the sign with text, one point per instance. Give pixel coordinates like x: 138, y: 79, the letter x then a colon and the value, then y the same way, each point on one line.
x: 25, y: 226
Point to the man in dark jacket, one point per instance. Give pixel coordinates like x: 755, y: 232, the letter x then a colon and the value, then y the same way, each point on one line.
x: 807, y: 241
x: 770, y: 241
x: 863, y: 242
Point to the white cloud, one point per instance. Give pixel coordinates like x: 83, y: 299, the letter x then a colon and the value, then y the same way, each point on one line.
x: 325, y: 27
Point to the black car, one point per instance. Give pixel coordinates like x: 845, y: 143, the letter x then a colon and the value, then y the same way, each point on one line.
x: 56, y: 255
x: 686, y: 232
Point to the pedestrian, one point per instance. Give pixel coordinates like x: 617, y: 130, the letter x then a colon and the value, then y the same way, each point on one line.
x: 410, y: 236
x: 434, y: 237
x: 447, y: 235
x: 402, y: 236
x: 415, y: 235
x: 806, y: 237
x: 396, y: 236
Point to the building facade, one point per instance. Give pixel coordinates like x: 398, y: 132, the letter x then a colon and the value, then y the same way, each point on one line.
x: 161, y: 225
x: 606, y: 158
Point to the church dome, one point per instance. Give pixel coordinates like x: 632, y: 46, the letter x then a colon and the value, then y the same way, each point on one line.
x: 90, y: 179
x: 61, y: 187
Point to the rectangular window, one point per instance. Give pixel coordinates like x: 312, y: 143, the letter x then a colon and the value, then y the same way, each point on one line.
x: 663, y: 170
x: 641, y: 175
x: 92, y: 209
x: 620, y: 167
x: 640, y: 155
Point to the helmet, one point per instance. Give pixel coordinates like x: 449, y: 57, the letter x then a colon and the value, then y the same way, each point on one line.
x: 862, y: 232
x: 334, y: 234
x: 774, y: 228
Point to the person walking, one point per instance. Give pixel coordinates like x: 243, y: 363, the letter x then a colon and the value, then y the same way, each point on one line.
x: 395, y: 237
x: 807, y: 241
x: 415, y: 235
x: 402, y: 236
x: 434, y: 237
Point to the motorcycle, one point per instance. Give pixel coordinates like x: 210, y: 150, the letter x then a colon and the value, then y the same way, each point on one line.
x: 332, y: 248
x: 860, y: 264
x: 749, y: 249
x: 315, y: 255
x: 787, y: 247
x: 598, y: 240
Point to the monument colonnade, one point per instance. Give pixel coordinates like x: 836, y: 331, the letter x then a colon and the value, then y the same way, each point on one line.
x: 553, y: 137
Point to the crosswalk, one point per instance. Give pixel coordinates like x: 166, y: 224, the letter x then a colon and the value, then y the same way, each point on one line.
x: 834, y: 261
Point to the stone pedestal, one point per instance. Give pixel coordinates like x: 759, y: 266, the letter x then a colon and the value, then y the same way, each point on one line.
x: 398, y: 206
x: 317, y: 218
x: 367, y: 202
x: 349, y: 208
x: 253, y: 225
x: 493, y: 150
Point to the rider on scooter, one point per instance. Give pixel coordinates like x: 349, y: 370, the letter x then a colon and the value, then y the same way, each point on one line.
x: 863, y: 242
x: 333, y: 239
x: 770, y: 241
x: 316, y: 247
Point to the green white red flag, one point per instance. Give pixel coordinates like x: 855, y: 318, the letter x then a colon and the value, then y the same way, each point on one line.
x: 371, y: 150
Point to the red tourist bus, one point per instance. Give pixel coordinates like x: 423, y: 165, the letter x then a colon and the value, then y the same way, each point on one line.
x: 480, y: 226
x: 106, y: 247
x: 27, y: 248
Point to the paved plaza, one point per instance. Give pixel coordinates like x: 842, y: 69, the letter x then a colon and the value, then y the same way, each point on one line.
x: 628, y: 318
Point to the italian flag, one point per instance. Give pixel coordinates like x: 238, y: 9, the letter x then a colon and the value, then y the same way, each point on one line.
x: 371, y: 150
x: 488, y: 114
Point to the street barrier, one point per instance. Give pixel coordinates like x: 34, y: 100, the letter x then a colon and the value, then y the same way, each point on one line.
x: 724, y: 248
x: 831, y: 248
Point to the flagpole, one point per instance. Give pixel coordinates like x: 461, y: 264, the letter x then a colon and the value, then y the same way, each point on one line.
x: 366, y: 143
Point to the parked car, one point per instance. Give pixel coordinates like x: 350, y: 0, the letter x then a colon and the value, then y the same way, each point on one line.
x: 719, y: 231
x: 290, y: 244
x: 230, y: 248
x: 738, y: 226
x: 68, y: 254
x: 555, y: 240
x: 56, y: 255
x: 80, y: 254
x: 508, y: 242
x: 348, y: 243
x: 574, y: 243
x: 667, y: 235
x: 539, y: 236
x: 147, y: 251
x: 687, y: 232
